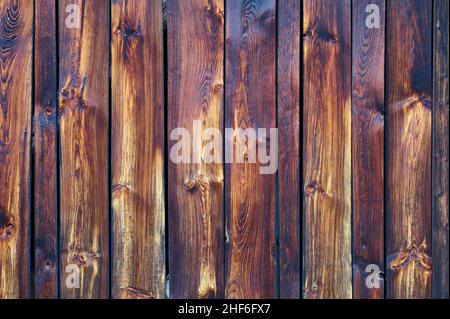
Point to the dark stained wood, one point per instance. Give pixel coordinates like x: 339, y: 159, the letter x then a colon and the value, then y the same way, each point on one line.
x: 195, y: 92
x: 289, y: 173
x: 83, y: 108
x: 362, y: 117
x: 45, y: 139
x: 250, y: 195
x: 367, y: 148
x: 409, y: 149
x: 440, y: 150
x: 16, y: 42
x: 137, y: 142
x: 327, y: 149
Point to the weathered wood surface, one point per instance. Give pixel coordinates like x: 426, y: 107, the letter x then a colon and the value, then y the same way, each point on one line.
x: 289, y: 169
x: 89, y: 180
x: 195, y: 190
x: 326, y: 149
x: 368, y: 146
x: 440, y: 150
x: 137, y: 142
x: 83, y: 119
x: 250, y: 103
x: 409, y: 149
x: 45, y: 151
x: 16, y: 42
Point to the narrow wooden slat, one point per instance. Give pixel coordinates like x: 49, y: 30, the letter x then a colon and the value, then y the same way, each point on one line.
x: 137, y: 147
x: 409, y: 149
x: 440, y: 150
x: 327, y: 149
x: 368, y: 147
x: 250, y: 103
x: 289, y: 174
x: 195, y: 92
x: 83, y: 108
x: 45, y: 138
x: 16, y: 41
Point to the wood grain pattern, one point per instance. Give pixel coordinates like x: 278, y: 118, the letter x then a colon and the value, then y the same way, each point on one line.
x: 440, y: 150
x: 367, y: 147
x: 327, y: 149
x: 362, y: 149
x: 83, y: 108
x: 45, y: 147
x: 195, y: 71
x: 16, y: 42
x: 409, y: 149
x: 250, y: 103
x: 289, y: 173
x: 137, y: 142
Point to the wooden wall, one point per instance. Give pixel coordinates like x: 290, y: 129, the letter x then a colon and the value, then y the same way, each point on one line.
x: 93, y: 206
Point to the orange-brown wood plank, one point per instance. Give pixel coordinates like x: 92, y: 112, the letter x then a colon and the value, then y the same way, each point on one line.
x: 16, y: 42
x: 45, y: 148
x: 195, y: 93
x: 327, y: 149
x: 368, y: 146
x: 409, y: 33
x: 137, y: 147
x: 250, y: 103
x: 289, y: 172
x: 440, y: 150
x: 83, y: 120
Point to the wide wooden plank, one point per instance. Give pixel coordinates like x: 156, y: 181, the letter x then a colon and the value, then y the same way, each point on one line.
x: 195, y: 93
x: 83, y: 108
x: 368, y: 146
x: 250, y: 195
x: 45, y: 146
x: 16, y: 42
x: 327, y: 149
x: 409, y: 106
x: 137, y: 147
x: 440, y: 150
x: 289, y: 173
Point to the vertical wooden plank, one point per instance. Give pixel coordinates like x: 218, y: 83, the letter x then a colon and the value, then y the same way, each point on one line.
x: 195, y: 84
x: 368, y: 145
x: 83, y: 107
x: 327, y: 149
x: 137, y: 146
x: 409, y: 149
x: 289, y: 174
x: 16, y: 41
x: 45, y: 171
x: 250, y: 103
x: 440, y: 151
